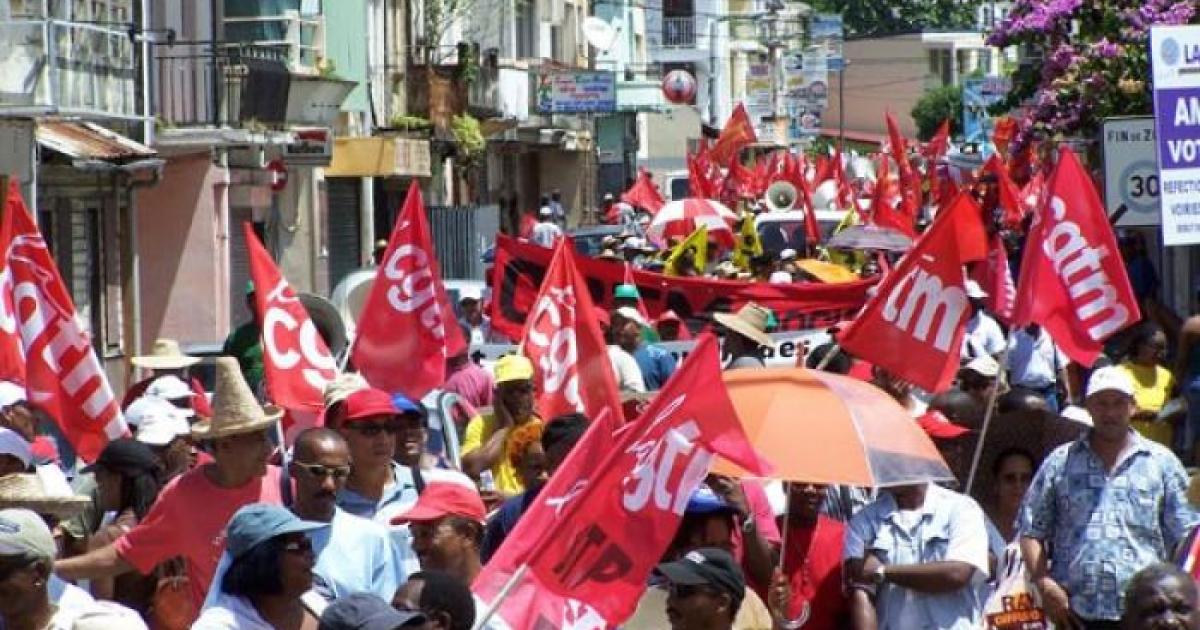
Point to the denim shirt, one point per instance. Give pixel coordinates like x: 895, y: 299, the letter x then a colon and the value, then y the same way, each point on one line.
x: 397, y: 499
x: 1104, y: 527
x: 950, y: 526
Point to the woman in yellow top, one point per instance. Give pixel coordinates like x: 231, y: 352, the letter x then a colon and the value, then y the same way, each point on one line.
x: 487, y: 441
x: 1152, y: 383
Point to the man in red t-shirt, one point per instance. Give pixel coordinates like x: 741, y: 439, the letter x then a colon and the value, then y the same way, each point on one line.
x: 189, y: 517
x: 810, y: 585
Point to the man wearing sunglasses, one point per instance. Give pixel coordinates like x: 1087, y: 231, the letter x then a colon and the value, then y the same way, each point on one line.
x: 705, y: 589
x: 353, y: 554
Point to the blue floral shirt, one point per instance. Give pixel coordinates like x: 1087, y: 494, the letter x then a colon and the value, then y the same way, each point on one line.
x: 1104, y: 527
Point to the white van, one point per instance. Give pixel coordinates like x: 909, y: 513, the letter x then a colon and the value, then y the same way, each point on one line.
x: 785, y: 230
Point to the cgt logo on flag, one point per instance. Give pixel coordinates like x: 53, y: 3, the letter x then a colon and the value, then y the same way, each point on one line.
x: 289, y: 349
x: 552, y: 341
x: 411, y: 287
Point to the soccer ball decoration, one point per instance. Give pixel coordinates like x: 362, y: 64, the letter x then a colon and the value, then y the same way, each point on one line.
x: 679, y: 87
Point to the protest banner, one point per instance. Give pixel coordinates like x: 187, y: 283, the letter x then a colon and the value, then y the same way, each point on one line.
x: 1174, y: 63
x: 408, y: 295
x: 519, y: 268
x: 44, y: 346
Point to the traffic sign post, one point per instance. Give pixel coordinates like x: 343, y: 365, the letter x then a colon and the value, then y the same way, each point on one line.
x: 1131, y: 170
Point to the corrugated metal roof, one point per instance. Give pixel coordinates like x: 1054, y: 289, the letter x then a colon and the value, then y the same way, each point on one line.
x: 85, y: 140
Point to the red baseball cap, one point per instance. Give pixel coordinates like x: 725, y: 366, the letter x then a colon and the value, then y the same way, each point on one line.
x: 368, y: 403
x: 444, y: 499
x: 939, y: 427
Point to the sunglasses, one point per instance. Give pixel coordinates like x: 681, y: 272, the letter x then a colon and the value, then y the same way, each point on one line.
x: 322, y: 471
x: 302, y: 545
x: 372, y: 429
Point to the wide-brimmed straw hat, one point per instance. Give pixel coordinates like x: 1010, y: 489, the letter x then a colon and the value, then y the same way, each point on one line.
x: 26, y: 490
x: 750, y: 321
x: 234, y: 409
x: 165, y: 354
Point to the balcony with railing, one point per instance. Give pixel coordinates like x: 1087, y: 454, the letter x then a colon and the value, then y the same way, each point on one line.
x: 679, y: 32
x: 217, y: 84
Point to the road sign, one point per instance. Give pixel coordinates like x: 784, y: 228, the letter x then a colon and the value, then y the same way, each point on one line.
x: 1131, y: 170
x: 1175, y: 67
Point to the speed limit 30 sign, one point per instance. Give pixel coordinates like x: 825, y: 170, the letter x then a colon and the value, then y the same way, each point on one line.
x: 1131, y: 170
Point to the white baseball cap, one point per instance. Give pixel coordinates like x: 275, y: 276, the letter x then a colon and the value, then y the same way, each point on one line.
x: 11, y: 394
x: 984, y: 365
x: 11, y: 443
x: 630, y: 313
x: 169, y: 387
x: 974, y: 291
x: 150, y: 406
x: 787, y: 254
x: 1109, y: 378
x: 159, y: 429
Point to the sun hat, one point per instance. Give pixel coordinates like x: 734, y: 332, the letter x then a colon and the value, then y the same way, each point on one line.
x: 1111, y: 378
x: 106, y: 615
x: 707, y: 566
x: 513, y: 367
x: 26, y: 490
x: 257, y: 523
x: 366, y: 611
x: 235, y: 411
x: 24, y: 533
x: 750, y: 321
x: 169, y: 387
x: 165, y: 354
x: 147, y: 407
x: 368, y: 403
x: 444, y: 499
x: 10, y: 394
x: 11, y: 443
x: 161, y: 427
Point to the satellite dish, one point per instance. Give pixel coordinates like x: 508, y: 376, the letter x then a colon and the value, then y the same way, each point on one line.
x: 599, y: 33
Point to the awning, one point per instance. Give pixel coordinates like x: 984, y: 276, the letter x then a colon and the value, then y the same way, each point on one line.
x: 379, y: 157
x: 82, y: 140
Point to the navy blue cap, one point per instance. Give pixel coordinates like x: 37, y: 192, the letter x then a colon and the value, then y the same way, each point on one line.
x: 366, y: 611
x: 257, y: 523
x: 707, y: 566
x: 705, y: 501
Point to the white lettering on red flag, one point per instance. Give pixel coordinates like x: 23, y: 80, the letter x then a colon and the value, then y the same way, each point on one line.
x: 45, y: 347
x: 407, y: 329
x: 296, y: 362
x: 605, y: 518
x: 1075, y: 284
x: 913, y: 327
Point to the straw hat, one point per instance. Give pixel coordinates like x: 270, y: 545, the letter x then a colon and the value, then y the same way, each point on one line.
x: 750, y: 321
x: 26, y: 490
x: 234, y: 409
x: 165, y: 355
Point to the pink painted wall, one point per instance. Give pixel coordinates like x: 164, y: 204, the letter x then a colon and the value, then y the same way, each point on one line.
x: 182, y: 244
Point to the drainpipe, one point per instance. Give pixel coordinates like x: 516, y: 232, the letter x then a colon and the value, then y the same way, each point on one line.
x: 147, y: 118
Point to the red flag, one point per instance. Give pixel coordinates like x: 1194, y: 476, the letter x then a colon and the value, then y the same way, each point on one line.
x: 644, y: 194
x: 994, y: 276
x: 1003, y: 133
x: 564, y: 341
x: 699, y: 183
x: 883, y: 203
x: 896, y: 329
x: 1010, y: 197
x: 200, y: 400
x: 1032, y: 194
x: 45, y: 347
x: 910, y: 183
x: 738, y: 132
x: 598, y: 527
x: 296, y: 362
x: 1073, y: 281
x: 407, y: 328
x: 935, y: 149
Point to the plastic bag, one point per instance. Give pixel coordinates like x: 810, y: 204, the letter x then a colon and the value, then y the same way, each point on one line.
x: 1015, y: 604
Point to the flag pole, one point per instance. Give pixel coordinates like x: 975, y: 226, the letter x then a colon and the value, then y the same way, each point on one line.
x: 993, y: 393
x: 501, y: 596
x: 829, y: 356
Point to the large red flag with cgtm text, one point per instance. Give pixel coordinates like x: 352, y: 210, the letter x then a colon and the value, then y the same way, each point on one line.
x: 566, y: 345
x: 296, y: 362
x: 602, y: 522
x: 43, y: 344
x: 408, y: 328
x: 913, y: 327
x: 1073, y: 281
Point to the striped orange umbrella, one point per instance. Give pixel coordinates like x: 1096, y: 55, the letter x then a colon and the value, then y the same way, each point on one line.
x: 825, y: 428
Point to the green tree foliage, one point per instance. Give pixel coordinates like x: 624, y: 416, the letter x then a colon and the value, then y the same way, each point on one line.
x: 934, y: 107
x: 864, y: 18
